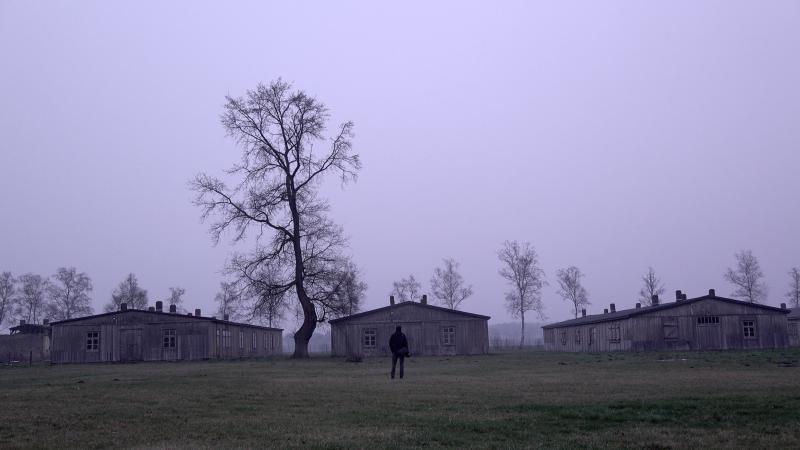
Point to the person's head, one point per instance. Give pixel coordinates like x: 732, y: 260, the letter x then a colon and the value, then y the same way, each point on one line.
x: 399, y: 329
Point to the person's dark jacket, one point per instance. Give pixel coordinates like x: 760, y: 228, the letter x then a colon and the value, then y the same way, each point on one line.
x: 398, y: 341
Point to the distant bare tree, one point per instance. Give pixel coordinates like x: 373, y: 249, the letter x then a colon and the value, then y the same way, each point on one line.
x: 571, y: 289
x: 521, y: 270
x: 406, y: 289
x: 32, y: 298
x: 229, y: 301
x: 448, y: 286
x: 652, y: 285
x: 69, y: 294
x: 351, y: 289
x: 7, y: 295
x: 128, y: 292
x: 747, y: 278
x: 276, y: 196
x: 176, y: 297
x: 794, y: 283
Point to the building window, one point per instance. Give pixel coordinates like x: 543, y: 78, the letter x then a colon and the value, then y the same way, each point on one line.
x: 670, y: 325
x: 564, y: 337
x: 613, y: 333
x: 241, y: 340
x: 449, y: 335
x: 708, y: 320
x: 369, y: 337
x: 255, y: 341
x: 93, y: 341
x: 169, y: 338
x: 272, y: 342
x: 226, y: 338
x: 793, y: 330
x: 749, y: 328
x: 578, y: 336
x: 592, y: 336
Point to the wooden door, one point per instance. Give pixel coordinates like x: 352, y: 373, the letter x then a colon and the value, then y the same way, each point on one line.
x: 709, y: 337
x: 130, y: 345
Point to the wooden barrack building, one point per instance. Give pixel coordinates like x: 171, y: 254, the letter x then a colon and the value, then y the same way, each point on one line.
x: 703, y: 323
x: 430, y: 330
x: 130, y: 335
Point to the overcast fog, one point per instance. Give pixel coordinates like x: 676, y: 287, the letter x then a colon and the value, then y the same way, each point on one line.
x: 612, y: 138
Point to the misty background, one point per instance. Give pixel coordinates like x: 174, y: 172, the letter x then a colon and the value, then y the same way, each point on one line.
x: 612, y: 136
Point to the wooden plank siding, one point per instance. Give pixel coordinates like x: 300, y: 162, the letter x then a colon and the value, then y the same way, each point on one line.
x: 675, y: 328
x: 131, y: 336
x: 423, y: 326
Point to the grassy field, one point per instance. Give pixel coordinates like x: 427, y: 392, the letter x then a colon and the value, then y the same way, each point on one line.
x: 515, y: 400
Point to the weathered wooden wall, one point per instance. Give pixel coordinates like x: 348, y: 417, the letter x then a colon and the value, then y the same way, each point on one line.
x: 646, y: 331
x: 21, y: 347
x: 139, y: 336
x: 422, y: 327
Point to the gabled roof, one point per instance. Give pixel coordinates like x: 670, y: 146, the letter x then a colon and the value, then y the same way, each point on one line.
x: 407, y: 304
x: 624, y: 314
x: 161, y: 313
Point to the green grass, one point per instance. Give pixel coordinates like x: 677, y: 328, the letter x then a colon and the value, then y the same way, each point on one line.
x: 516, y: 400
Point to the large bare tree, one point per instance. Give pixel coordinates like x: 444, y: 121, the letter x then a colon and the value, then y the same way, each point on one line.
x: 128, y: 292
x: 32, y: 298
x: 651, y: 285
x: 275, y: 195
x: 521, y: 270
x: 448, y: 286
x: 406, y: 289
x: 794, y: 287
x: 7, y: 294
x: 571, y: 289
x: 69, y: 294
x: 746, y: 277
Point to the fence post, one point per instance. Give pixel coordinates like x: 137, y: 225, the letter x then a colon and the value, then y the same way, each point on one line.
x: 30, y: 358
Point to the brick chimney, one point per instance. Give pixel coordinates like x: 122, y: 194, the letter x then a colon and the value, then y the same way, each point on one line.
x: 173, y: 309
x: 605, y: 311
x: 123, y: 306
x: 225, y: 317
x: 638, y: 305
x: 424, y: 299
x: 159, y: 306
x: 683, y: 297
x: 678, y: 295
x: 783, y: 305
x: 22, y: 321
x: 197, y: 312
x: 613, y: 307
x: 712, y: 293
x: 654, y: 300
x: 151, y: 308
x: 583, y: 312
x: 391, y: 299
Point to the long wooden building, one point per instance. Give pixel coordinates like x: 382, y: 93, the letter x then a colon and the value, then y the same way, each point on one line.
x: 430, y: 330
x: 703, y: 323
x: 130, y: 335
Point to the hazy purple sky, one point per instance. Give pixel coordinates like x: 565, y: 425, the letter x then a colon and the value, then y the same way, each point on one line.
x: 611, y: 135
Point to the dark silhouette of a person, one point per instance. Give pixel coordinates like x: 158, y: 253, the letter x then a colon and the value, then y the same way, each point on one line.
x: 399, y: 347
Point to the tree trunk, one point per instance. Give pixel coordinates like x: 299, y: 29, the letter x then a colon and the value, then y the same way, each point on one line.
x: 522, y: 336
x: 303, y: 335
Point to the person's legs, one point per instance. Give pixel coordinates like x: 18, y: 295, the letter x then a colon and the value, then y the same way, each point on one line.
x: 394, y: 363
x: 402, y: 360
